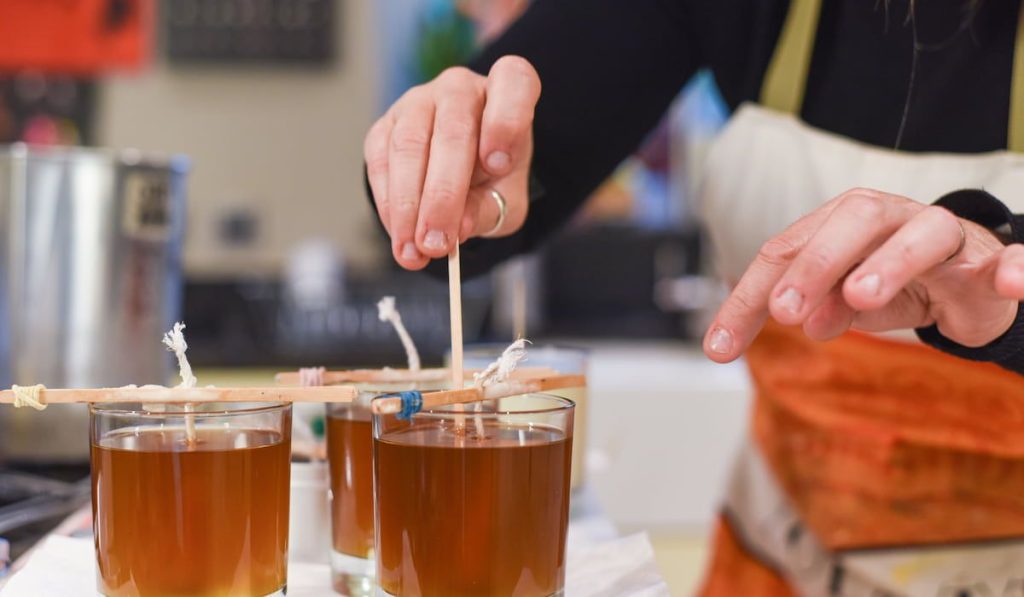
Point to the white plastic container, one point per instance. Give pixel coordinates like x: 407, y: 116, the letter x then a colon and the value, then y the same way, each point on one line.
x: 309, y: 528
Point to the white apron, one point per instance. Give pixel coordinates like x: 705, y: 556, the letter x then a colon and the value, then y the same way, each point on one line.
x: 765, y: 171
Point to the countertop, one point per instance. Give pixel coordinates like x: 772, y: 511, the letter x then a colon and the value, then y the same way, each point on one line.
x: 663, y: 425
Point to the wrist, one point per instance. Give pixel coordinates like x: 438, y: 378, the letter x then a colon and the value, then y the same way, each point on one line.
x: 990, y: 226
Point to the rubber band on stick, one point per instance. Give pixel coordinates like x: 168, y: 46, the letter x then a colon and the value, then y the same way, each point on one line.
x: 412, y: 403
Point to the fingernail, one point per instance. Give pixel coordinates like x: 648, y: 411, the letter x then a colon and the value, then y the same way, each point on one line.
x: 720, y: 341
x: 498, y: 161
x: 870, y: 284
x: 790, y: 300
x: 410, y: 252
x: 435, y: 240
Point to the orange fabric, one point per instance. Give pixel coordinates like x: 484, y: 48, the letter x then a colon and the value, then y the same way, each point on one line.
x: 735, y: 572
x: 73, y: 36
x: 879, y: 442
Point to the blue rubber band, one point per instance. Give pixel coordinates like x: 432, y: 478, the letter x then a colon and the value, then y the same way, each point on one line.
x: 412, y: 403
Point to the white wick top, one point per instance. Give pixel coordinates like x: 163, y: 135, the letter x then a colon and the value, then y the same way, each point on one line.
x: 500, y: 370
x: 174, y: 340
x: 387, y: 311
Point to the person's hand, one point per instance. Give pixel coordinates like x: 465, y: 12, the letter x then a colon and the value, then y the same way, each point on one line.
x: 873, y: 261
x: 434, y: 157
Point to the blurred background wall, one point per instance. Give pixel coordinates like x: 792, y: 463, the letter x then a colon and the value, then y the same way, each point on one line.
x: 269, y: 100
x: 277, y: 150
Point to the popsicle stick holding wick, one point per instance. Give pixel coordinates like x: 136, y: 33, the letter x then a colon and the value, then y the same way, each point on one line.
x: 316, y: 376
x: 40, y: 397
x: 174, y: 340
x: 406, y: 404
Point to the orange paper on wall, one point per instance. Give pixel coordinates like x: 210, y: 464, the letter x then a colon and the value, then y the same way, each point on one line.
x: 82, y: 37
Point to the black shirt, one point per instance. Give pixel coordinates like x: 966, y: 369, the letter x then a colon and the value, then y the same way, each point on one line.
x: 610, y: 68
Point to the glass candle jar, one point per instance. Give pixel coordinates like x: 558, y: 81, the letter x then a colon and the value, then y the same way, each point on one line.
x: 191, y: 503
x: 350, y: 457
x: 474, y: 502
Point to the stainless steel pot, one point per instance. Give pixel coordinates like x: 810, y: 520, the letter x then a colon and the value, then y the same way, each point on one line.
x: 90, y: 277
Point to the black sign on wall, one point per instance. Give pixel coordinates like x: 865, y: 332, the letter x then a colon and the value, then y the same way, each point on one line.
x: 249, y: 31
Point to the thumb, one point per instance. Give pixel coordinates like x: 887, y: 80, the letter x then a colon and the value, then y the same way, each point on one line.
x: 513, y: 88
x: 1009, y: 275
x: 976, y: 304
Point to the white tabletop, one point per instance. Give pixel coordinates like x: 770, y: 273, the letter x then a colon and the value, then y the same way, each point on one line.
x: 600, y: 564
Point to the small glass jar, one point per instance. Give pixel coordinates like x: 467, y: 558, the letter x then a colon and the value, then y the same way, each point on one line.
x: 191, y: 503
x: 350, y: 458
x: 474, y: 502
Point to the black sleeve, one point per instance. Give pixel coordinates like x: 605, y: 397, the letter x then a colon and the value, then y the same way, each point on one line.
x: 982, y: 208
x: 608, y: 71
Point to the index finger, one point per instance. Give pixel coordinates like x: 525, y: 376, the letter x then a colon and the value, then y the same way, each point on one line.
x: 452, y: 157
x: 744, y: 312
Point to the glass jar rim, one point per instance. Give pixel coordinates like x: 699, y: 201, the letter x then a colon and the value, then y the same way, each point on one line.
x: 561, y: 404
x: 391, y: 387
x: 177, y: 409
x: 496, y: 348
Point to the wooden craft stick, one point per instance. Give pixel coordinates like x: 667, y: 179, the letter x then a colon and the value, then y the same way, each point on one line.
x: 512, y: 387
x: 386, y: 375
x: 458, y: 380
x: 455, y: 311
x: 521, y: 382
x: 350, y: 376
x: 181, y: 395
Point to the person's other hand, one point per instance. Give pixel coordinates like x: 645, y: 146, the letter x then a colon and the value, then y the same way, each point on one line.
x: 434, y: 157
x: 874, y: 261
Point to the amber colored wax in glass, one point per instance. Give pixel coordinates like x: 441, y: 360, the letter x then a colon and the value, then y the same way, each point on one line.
x: 465, y: 515
x: 350, y: 454
x: 174, y: 518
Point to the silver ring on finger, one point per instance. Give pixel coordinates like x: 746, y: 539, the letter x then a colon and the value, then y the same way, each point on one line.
x: 963, y: 242
x: 502, y: 214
